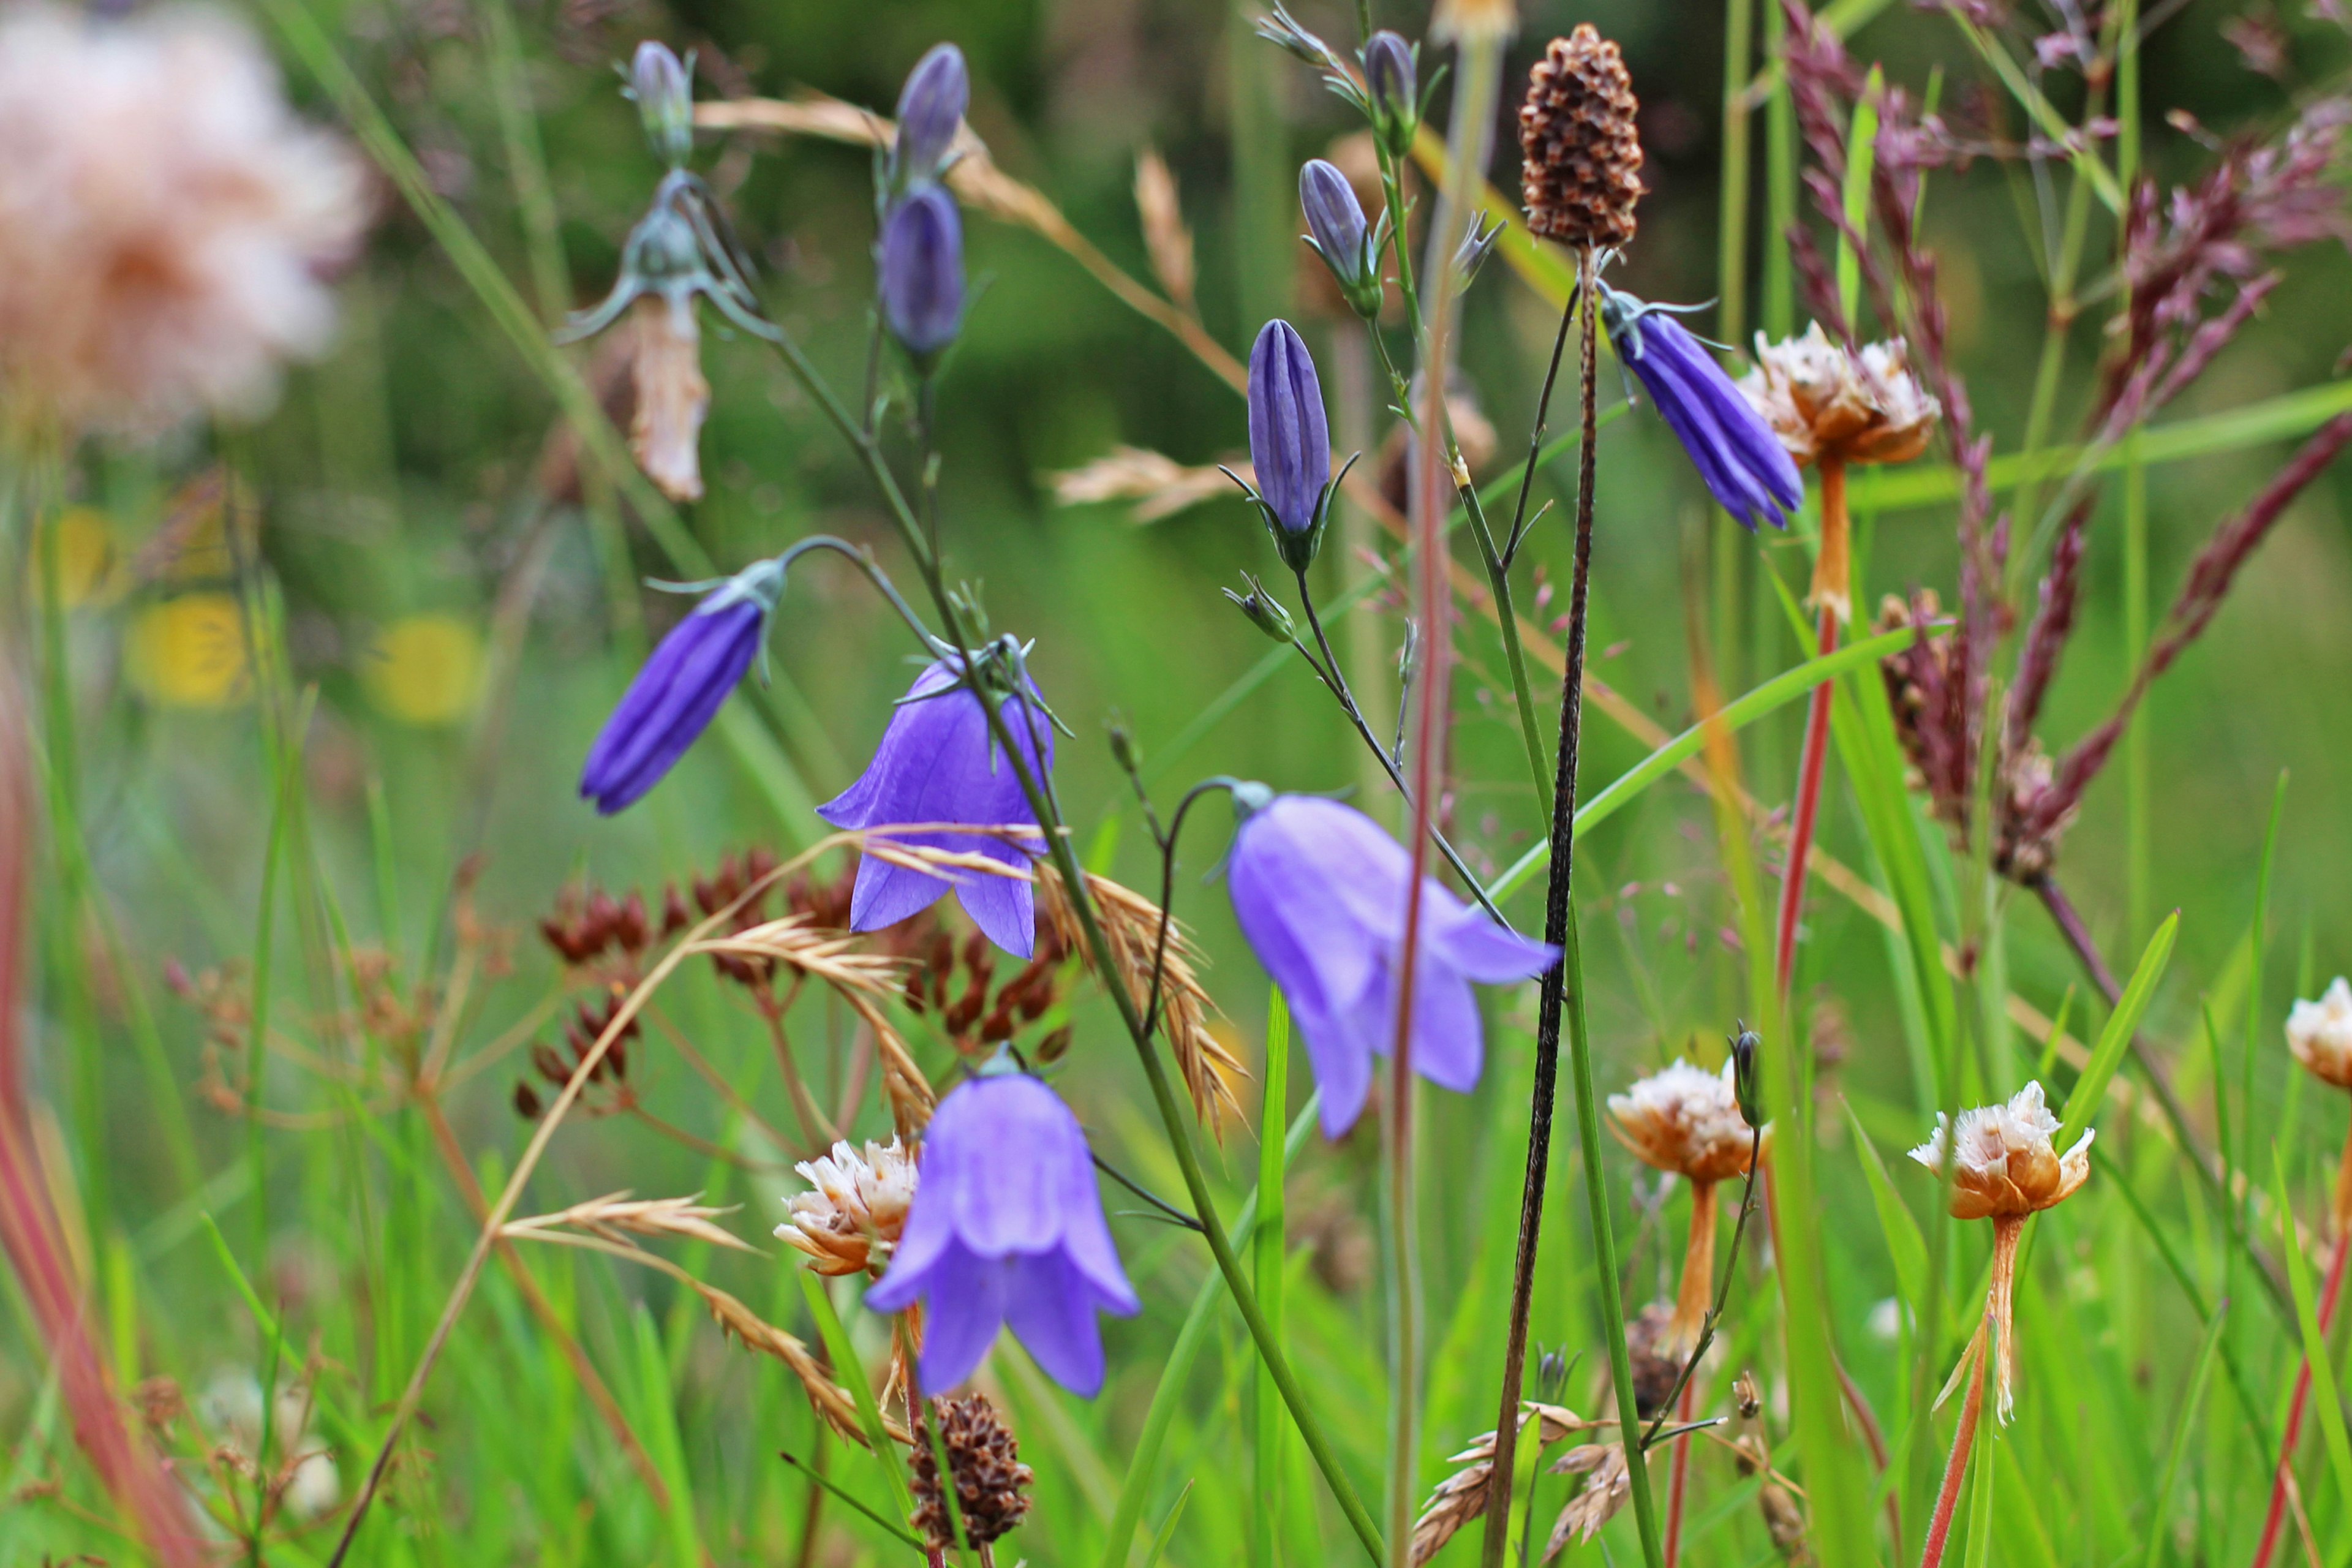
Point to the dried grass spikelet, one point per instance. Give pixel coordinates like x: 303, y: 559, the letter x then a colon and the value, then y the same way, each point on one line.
x: 1829, y: 405
x: 164, y: 218
x: 617, y: 1215
x: 1461, y: 1498
x: 1607, y: 1486
x: 1131, y: 925
x: 1166, y: 238
x: 1582, y: 157
x: 1684, y: 1120
x: 671, y: 395
x: 2320, y: 1034
x: 850, y: 1222
x: 1158, y: 484
x: 992, y: 1483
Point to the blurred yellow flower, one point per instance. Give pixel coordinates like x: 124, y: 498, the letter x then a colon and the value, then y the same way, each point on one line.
x: 189, y: 652
x: 83, y: 541
x: 425, y: 669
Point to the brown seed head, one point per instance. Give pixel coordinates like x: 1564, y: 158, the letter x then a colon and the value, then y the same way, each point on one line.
x: 1582, y: 158
x: 992, y: 1483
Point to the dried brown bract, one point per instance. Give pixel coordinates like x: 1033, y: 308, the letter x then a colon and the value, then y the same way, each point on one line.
x: 992, y: 1484
x: 671, y: 396
x: 1582, y: 156
x: 1608, y: 1484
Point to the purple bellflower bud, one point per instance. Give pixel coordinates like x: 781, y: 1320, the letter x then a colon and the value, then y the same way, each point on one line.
x: 1290, y: 443
x: 1336, y: 228
x: 1319, y: 889
x: 1744, y: 465
x: 1392, y: 89
x: 931, y: 108
x: 1007, y: 1227
x: 663, y: 86
x: 938, y: 762
x: 922, y: 273
x: 681, y: 687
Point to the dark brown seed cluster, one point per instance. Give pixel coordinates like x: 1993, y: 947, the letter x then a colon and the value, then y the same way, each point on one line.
x: 580, y: 1031
x: 992, y: 1483
x: 963, y: 1008
x: 1582, y: 157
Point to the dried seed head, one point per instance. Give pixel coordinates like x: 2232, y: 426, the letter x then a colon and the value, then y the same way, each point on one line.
x: 1784, y: 1521
x: 1827, y: 405
x: 1657, y: 1366
x: 2006, y: 1166
x: 1582, y: 157
x: 2320, y: 1034
x: 992, y: 1483
x: 1684, y: 1120
x: 1607, y: 1486
x: 851, y: 1221
x: 666, y: 431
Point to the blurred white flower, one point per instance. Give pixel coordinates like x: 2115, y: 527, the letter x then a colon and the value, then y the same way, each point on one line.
x: 2320, y: 1033
x: 230, y: 1407
x: 164, y: 218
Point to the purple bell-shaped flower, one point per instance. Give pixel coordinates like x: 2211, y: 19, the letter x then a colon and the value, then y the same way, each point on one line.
x: 1746, y: 467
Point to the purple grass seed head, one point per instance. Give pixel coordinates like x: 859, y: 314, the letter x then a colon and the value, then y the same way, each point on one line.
x: 922, y: 273
x: 1319, y: 891
x: 1007, y: 1229
x: 681, y: 688
x: 1290, y: 443
x: 1743, y: 463
x: 930, y: 108
x: 1391, y: 89
x: 1349, y: 246
x: 663, y: 86
x: 938, y: 762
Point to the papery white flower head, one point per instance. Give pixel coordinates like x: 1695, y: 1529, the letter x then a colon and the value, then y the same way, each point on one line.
x: 2320, y: 1033
x: 1824, y: 403
x: 164, y: 217
x: 851, y: 1223
x: 2004, y: 1166
x: 1684, y: 1120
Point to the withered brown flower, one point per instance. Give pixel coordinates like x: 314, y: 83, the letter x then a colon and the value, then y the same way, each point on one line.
x: 1829, y: 405
x: 1581, y: 155
x: 1684, y: 1120
x: 672, y: 397
x: 2003, y: 1164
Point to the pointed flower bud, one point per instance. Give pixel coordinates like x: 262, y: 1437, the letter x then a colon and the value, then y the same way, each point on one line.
x: 1319, y: 891
x: 1007, y: 1228
x: 931, y: 108
x: 1337, y: 230
x: 1744, y: 464
x: 922, y: 273
x: 1264, y: 610
x: 663, y: 86
x: 1392, y: 85
x: 681, y: 687
x: 1290, y: 442
x: 1479, y: 242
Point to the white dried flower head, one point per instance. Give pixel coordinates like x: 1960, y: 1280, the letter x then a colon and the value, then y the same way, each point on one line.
x: 303, y: 1471
x: 164, y: 218
x: 2320, y: 1033
x: 666, y: 430
x: 2004, y: 1164
x: 1824, y: 404
x: 1684, y: 1120
x: 851, y: 1221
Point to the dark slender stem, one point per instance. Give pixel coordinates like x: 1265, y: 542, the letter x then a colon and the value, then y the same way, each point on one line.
x: 1536, y: 437
x: 1722, y: 1293
x: 1328, y: 668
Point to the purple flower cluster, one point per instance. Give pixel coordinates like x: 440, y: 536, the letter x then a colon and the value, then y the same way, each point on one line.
x: 1007, y: 1227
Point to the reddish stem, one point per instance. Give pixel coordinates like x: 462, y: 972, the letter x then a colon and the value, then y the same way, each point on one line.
x: 1956, y: 1468
x: 1680, y: 1475
x: 2329, y: 1295
x: 1829, y: 592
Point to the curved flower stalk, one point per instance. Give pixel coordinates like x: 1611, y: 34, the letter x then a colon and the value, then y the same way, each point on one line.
x: 1736, y: 453
x: 2001, y: 1165
x: 937, y: 762
x: 681, y: 688
x: 1006, y: 1227
x: 2319, y: 1034
x: 1319, y: 889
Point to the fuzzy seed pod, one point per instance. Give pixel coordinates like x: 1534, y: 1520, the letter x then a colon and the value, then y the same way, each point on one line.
x: 1582, y: 156
x: 992, y: 1483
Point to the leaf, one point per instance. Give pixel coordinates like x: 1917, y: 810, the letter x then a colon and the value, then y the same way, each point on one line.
x: 2109, y: 1054
x: 1905, y: 1243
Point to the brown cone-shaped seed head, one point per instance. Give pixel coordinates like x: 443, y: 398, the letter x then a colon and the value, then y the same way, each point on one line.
x: 992, y: 1483
x: 1582, y: 158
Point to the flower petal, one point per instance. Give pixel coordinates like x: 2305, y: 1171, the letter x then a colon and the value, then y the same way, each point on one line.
x: 968, y: 1300
x: 1051, y: 1309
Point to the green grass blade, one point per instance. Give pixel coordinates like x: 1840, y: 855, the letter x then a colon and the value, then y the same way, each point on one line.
x: 848, y: 1369
x: 2181, y: 1435
x: 2315, y: 1343
x: 2115, y: 1038
x: 1269, y: 1252
x: 1905, y: 1244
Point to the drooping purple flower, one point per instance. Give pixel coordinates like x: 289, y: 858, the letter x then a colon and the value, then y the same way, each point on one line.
x: 1743, y: 463
x: 1007, y: 1228
x: 680, y: 689
x: 1337, y: 230
x: 922, y: 272
x: 931, y: 108
x: 1389, y: 87
x: 938, y: 762
x: 1319, y: 889
x: 1291, y: 440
